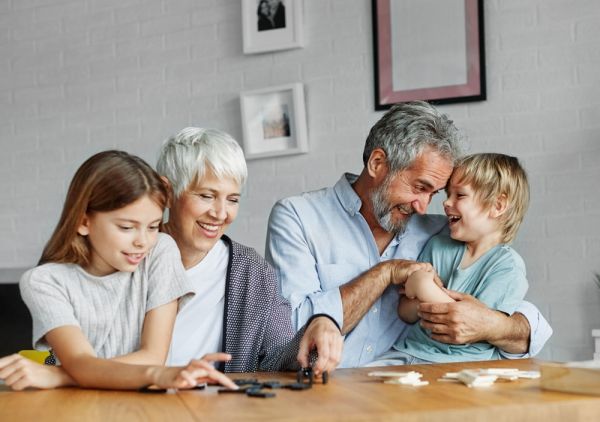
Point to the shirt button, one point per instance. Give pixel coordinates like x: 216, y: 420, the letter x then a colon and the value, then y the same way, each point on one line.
x: 374, y: 310
x: 369, y: 349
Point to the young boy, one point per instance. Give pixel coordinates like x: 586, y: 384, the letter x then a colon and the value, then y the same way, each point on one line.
x: 488, y: 195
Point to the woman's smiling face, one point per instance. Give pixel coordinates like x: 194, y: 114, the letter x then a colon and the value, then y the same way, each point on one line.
x: 202, y: 214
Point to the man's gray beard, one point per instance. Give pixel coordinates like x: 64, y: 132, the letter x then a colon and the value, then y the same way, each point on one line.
x: 382, y: 210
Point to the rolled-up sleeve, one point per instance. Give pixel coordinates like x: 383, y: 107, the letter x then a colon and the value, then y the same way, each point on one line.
x: 540, y: 331
x: 288, y: 251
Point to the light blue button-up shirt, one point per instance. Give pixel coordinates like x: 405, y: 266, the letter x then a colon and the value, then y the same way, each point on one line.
x: 319, y: 241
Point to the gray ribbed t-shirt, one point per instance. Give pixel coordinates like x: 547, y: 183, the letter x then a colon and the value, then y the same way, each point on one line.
x: 110, y: 310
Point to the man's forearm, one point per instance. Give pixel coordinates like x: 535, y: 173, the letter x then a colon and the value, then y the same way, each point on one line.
x: 511, y: 333
x: 359, y: 294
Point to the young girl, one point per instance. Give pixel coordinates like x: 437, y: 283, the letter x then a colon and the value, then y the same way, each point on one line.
x: 105, y: 295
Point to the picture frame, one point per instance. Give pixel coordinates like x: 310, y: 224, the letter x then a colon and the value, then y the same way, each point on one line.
x: 271, y: 25
x: 431, y: 50
x: 274, y: 121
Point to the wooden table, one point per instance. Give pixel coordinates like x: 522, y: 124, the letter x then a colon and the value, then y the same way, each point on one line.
x: 350, y: 395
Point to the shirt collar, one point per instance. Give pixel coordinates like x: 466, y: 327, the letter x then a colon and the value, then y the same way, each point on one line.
x: 346, y: 193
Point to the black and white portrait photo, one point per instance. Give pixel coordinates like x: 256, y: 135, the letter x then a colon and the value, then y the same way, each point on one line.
x: 270, y: 14
x: 270, y: 25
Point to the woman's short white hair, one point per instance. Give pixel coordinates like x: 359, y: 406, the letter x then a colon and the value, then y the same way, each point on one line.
x: 185, y: 157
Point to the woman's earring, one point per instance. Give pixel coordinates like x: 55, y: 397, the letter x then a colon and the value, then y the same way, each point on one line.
x: 165, y: 218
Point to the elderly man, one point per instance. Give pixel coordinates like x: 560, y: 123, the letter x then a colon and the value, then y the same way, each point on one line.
x: 346, y: 250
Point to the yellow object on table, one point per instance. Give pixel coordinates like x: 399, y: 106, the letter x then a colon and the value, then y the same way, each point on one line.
x: 38, y: 356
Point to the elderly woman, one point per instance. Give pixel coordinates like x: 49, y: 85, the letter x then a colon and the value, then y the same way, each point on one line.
x: 237, y: 308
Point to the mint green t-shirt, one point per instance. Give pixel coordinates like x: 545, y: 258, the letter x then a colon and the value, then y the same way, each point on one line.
x: 497, y: 279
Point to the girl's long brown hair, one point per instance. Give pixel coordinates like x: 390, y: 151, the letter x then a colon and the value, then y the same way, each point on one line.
x: 106, y: 181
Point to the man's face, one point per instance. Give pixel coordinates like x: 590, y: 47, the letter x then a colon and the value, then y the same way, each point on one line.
x: 402, y: 194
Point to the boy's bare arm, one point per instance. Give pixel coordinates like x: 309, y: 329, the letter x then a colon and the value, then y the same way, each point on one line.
x: 421, y: 285
x: 408, y: 309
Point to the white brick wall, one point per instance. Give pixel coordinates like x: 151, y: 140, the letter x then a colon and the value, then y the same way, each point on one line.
x: 77, y: 77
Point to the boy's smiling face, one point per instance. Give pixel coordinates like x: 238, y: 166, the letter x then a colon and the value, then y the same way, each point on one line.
x: 468, y: 219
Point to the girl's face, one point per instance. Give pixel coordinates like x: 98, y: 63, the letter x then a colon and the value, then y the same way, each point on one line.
x: 468, y: 220
x: 120, y: 239
x: 200, y: 216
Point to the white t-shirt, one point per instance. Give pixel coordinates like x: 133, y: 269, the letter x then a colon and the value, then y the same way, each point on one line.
x: 199, y: 325
x: 110, y: 310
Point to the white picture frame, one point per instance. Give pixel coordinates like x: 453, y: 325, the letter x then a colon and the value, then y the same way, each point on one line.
x: 274, y: 121
x: 264, y: 30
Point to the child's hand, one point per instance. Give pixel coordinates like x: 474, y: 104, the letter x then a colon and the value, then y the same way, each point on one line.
x: 20, y: 373
x: 198, y: 371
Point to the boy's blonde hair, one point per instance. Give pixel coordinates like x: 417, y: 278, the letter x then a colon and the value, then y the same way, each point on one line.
x: 492, y: 175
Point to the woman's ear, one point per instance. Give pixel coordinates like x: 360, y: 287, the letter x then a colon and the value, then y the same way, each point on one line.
x: 166, y: 181
x: 377, y: 165
x: 84, y: 227
x: 500, y: 206
x: 170, y: 189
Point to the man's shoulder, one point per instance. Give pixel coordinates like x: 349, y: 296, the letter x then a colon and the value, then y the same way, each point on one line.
x: 309, y: 197
x: 307, y: 204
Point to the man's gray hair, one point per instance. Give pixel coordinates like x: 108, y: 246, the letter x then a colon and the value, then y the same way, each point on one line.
x: 407, y: 129
x: 185, y: 158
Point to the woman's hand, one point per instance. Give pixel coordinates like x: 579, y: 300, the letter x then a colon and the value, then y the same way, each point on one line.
x: 20, y: 373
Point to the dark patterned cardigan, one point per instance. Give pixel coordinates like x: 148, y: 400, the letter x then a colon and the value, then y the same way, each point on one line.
x: 257, y: 328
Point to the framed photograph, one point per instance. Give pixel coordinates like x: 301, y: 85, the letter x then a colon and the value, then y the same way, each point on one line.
x: 274, y: 121
x: 430, y: 50
x: 270, y: 25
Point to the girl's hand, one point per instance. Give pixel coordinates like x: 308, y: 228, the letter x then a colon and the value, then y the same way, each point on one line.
x: 20, y: 373
x: 196, y: 372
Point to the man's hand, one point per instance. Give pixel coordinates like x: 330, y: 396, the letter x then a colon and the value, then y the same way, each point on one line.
x: 401, y: 269
x: 325, y: 336
x: 465, y: 321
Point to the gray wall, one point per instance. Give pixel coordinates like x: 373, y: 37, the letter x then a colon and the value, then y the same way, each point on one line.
x: 77, y: 77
